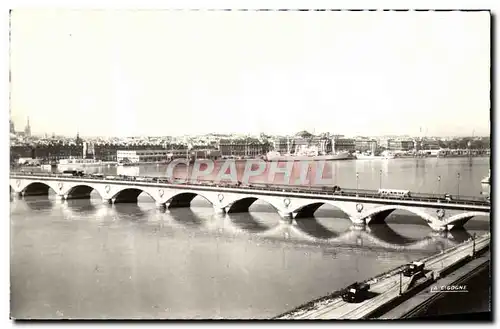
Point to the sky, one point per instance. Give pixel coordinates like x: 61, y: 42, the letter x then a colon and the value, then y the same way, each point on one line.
x: 132, y: 73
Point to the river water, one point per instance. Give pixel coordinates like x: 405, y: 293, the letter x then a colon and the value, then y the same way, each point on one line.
x: 86, y: 259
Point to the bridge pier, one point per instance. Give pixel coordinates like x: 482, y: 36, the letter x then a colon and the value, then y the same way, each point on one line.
x: 359, y: 227
x: 161, y: 205
x: 219, y: 211
x: 107, y: 201
x: 360, y: 222
x: 443, y: 228
x: 286, y: 217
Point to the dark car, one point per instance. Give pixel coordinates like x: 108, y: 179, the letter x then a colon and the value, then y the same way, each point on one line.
x: 414, y: 268
x: 355, y: 292
x: 79, y: 173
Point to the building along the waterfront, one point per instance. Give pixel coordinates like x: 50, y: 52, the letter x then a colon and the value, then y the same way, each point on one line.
x: 248, y: 147
x: 366, y: 145
x: 400, y: 144
x: 135, y: 156
x: 343, y: 144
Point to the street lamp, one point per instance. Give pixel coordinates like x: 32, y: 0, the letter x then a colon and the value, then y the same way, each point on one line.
x: 309, y: 172
x: 458, y: 185
x: 439, y: 184
x: 187, y: 164
x: 473, y: 244
x: 401, y: 282
x: 380, y: 185
x: 357, y: 183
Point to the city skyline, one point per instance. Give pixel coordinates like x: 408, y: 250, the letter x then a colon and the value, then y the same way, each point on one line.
x: 190, y: 73
x: 423, y: 135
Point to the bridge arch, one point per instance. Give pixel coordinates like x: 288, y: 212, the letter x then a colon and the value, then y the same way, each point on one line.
x: 378, y: 215
x: 129, y: 195
x: 244, y: 204
x: 81, y: 191
x: 308, y: 210
x: 458, y: 221
x: 184, y: 198
x: 37, y: 188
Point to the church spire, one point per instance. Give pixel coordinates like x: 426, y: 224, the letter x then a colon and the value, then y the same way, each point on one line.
x: 27, y: 129
x: 78, y: 140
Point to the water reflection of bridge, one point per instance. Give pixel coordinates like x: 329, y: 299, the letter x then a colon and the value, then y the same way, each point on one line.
x: 307, y: 230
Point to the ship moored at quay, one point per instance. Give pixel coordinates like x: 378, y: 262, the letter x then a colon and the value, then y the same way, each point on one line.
x: 276, y: 156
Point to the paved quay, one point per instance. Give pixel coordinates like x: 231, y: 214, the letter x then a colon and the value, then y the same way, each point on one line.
x: 416, y: 304
x: 387, y: 289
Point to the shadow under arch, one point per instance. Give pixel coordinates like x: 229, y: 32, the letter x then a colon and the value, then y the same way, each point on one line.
x: 81, y: 192
x: 477, y: 224
x: 385, y: 233
x: 78, y: 206
x: 458, y: 235
x: 129, y: 210
x: 186, y: 217
x: 184, y: 199
x: 309, y: 210
x: 249, y: 222
x: 315, y: 229
x: 39, y: 202
x: 37, y: 188
x: 379, y: 215
x: 129, y: 195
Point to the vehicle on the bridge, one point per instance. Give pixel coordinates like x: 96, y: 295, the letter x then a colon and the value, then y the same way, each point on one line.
x: 394, y: 193
x: 98, y: 176
x: 448, y: 197
x: 355, y: 292
x: 258, y: 185
x: 78, y: 173
x: 145, y: 179
x: 337, y: 189
x: 414, y: 268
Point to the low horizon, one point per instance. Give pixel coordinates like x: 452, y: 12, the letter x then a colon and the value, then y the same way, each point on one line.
x: 37, y: 134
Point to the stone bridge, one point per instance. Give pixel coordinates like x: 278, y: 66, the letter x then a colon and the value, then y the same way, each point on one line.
x: 439, y: 216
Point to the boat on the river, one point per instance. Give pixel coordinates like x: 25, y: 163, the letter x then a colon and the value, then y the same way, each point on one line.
x: 368, y: 156
x: 308, y: 153
x: 487, y: 179
x: 72, y: 163
x: 388, y: 155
